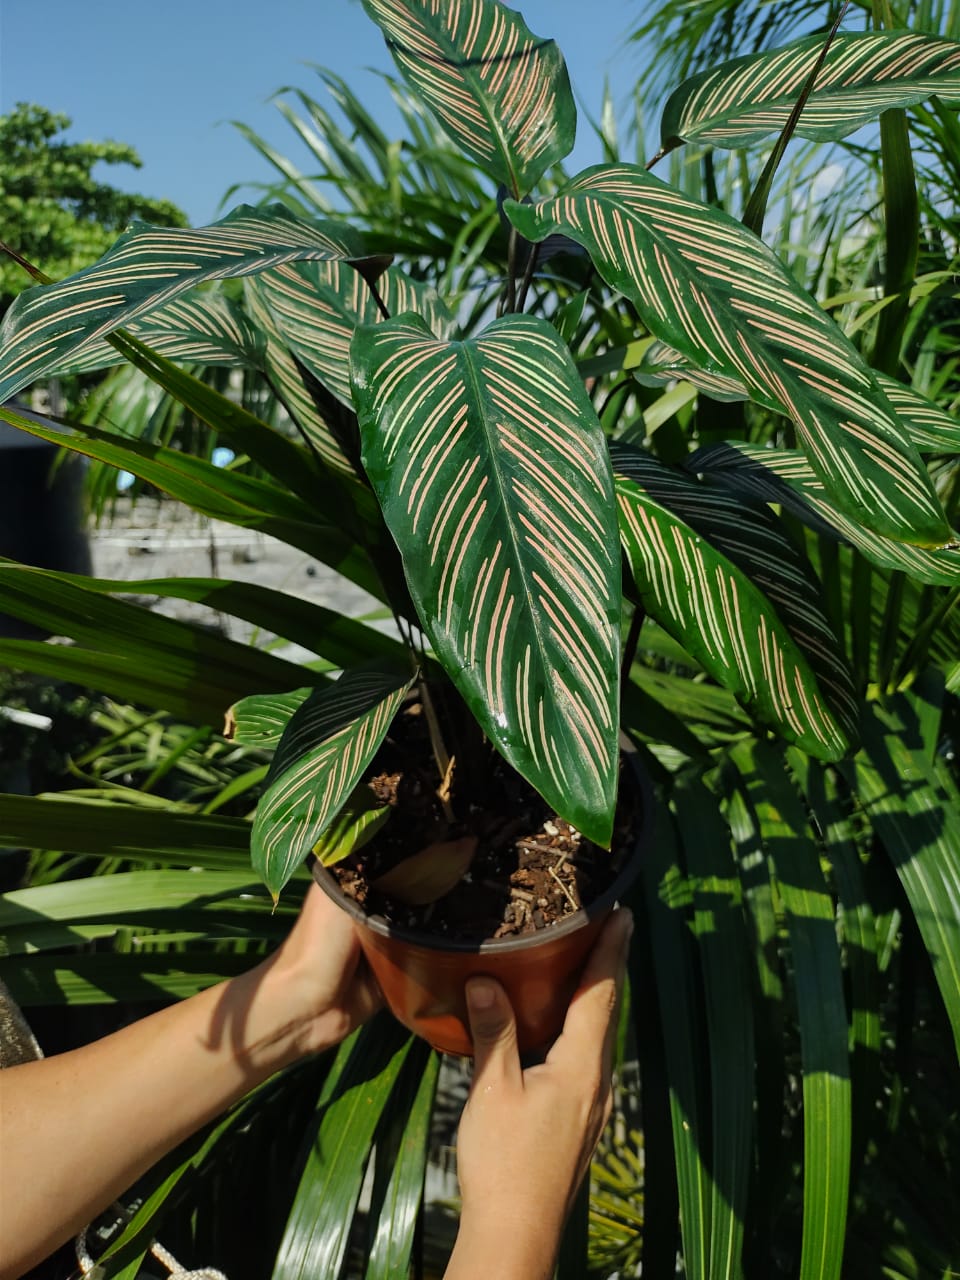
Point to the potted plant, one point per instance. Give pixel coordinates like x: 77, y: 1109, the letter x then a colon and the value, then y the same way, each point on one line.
x: 468, y: 481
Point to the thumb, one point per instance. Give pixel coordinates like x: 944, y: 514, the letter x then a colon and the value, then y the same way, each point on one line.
x: 493, y: 1030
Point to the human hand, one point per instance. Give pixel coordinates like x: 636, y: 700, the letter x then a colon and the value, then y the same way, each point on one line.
x: 526, y: 1137
x: 318, y: 985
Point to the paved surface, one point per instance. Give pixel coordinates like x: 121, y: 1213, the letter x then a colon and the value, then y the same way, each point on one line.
x: 153, y: 539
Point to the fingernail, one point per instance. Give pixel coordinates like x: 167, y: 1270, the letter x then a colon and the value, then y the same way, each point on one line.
x: 627, y: 923
x: 480, y: 994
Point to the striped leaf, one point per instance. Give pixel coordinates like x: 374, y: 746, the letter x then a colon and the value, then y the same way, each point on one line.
x: 205, y: 327
x: 864, y: 74
x: 321, y: 755
x: 287, y: 380
x: 706, y: 286
x: 259, y: 721
x: 317, y: 307
x: 501, y: 92
x: 147, y: 268
x: 785, y: 476
x: 490, y: 465
x: 928, y: 426
x: 729, y: 586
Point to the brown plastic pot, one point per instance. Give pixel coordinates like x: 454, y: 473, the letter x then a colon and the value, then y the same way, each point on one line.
x: 422, y: 977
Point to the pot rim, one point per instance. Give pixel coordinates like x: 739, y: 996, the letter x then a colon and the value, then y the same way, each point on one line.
x: 505, y: 946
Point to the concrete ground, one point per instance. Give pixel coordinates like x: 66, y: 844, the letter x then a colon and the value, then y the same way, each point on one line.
x: 154, y: 539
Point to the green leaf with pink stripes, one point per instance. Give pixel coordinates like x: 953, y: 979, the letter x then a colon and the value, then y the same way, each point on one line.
x: 745, y: 100
x: 146, y: 269
x: 326, y: 745
x: 724, y: 580
x: 707, y: 287
x: 494, y: 479
x: 501, y: 92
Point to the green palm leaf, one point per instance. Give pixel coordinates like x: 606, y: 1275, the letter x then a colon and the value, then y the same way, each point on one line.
x: 864, y: 74
x: 915, y: 814
x: 727, y: 584
x: 490, y: 465
x: 785, y: 476
x: 821, y: 1009
x: 706, y: 286
x: 149, y: 267
x: 317, y: 307
x: 501, y: 92
x: 323, y: 751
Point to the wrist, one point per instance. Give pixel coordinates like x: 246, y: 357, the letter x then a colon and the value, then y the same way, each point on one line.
x: 505, y: 1241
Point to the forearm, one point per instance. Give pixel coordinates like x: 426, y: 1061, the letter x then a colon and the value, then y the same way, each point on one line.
x: 77, y: 1129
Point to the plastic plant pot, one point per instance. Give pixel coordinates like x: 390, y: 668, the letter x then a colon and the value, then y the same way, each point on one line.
x: 423, y: 977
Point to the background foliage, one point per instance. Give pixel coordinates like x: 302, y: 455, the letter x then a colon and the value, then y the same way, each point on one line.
x: 789, y: 1055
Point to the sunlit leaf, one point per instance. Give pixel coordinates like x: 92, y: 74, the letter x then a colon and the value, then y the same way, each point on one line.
x: 355, y: 825
x: 325, y: 747
x: 501, y: 92
x: 147, y: 268
x: 785, y: 476
x: 706, y: 286
x: 491, y: 469
x: 865, y: 73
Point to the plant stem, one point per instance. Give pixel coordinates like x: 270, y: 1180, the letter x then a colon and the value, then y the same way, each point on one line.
x: 630, y: 648
x: 528, y: 271
x: 508, y: 303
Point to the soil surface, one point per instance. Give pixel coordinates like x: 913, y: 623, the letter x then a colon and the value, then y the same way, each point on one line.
x: 531, y: 868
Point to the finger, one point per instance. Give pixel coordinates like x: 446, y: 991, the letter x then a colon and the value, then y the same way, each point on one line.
x: 592, y: 1017
x: 365, y: 995
x: 493, y: 1029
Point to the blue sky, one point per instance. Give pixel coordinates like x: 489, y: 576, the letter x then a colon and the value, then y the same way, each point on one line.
x: 167, y: 77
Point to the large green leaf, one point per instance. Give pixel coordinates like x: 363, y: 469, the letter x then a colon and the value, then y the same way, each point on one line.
x: 323, y: 751
x: 288, y: 383
x: 149, y: 267
x: 205, y: 327
x: 341, y: 640
x: 865, y: 73
x: 501, y: 92
x: 60, y: 914
x: 490, y: 465
x: 317, y: 307
x: 785, y: 476
x: 727, y: 583
x: 706, y: 286
x: 930, y: 428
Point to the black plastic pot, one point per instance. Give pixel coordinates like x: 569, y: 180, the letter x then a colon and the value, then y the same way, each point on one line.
x: 41, y: 511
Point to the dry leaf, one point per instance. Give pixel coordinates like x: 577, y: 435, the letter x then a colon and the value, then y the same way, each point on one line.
x: 429, y: 874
